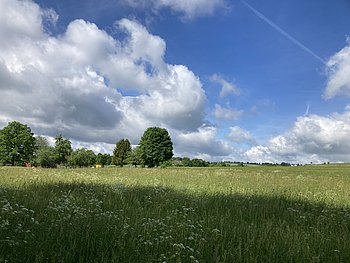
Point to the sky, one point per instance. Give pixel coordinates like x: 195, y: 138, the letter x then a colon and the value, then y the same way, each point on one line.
x: 239, y: 80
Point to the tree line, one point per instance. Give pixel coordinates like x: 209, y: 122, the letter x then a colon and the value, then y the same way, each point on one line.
x: 19, y: 146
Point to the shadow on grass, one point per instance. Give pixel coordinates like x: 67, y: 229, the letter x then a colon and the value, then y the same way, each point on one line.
x: 104, y: 223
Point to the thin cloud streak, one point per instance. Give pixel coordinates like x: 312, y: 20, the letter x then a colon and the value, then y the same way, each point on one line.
x: 282, y: 32
x: 307, y: 109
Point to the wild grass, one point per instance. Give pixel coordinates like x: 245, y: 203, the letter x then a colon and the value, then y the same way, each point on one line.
x: 237, y: 214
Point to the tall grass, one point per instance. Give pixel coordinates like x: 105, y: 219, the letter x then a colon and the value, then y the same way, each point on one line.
x: 238, y: 214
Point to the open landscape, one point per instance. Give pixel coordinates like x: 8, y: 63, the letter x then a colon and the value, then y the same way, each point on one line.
x: 231, y: 214
x: 176, y: 131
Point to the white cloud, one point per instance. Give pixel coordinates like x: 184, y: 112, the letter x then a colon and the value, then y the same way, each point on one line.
x: 97, y: 147
x: 74, y: 83
x: 20, y: 19
x: 188, y: 9
x: 201, y: 143
x: 259, y: 154
x: 239, y: 135
x: 312, y: 138
x: 143, y: 46
x: 227, y: 88
x: 338, y: 66
x: 227, y: 113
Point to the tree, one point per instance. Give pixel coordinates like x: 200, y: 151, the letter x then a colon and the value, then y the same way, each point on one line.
x: 186, y: 162
x: 47, y: 157
x: 41, y: 143
x: 134, y: 157
x: 103, y: 159
x: 121, y: 152
x: 63, y: 148
x: 17, y: 144
x: 199, y: 163
x: 82, y: 158
x: 155, y: 146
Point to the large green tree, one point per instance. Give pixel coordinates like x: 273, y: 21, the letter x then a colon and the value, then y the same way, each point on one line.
x: 63, y: 148
x: 82, y: 158
x: 17, y: 144
x: 155, y: 146
x: 121, y: 151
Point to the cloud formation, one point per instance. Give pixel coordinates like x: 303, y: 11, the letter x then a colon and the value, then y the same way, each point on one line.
x: 313, y: 138
x: 239, y: 135
x: 338, y: 67
x: 226, y: 113
x: 88, y: 85
x: 227, y: 88
x: 202, y: 141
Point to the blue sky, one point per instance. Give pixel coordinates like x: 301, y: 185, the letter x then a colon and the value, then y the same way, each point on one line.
x: 231, y: 80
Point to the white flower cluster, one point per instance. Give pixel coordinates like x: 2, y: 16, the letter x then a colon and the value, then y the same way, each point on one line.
x: 16, y: 221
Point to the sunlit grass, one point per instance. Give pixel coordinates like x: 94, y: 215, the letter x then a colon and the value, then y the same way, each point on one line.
x: 238, y: 214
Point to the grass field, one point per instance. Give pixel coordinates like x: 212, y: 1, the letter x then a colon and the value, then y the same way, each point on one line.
x: 237, y: 214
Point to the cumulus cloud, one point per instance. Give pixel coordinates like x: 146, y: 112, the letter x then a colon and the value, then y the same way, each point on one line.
x: 97, y: 147
x: 20, y: 19
x: 338, y: 67
x: 239, y: 135
x: 75, y: 83
x: 201, y: 143
x: 227, y: 88
x: 188, y: 9
x: 312, y: 138
x: 259, y: 154
x: 227, y: 113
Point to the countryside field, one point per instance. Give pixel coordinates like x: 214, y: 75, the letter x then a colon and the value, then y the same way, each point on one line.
x: 236, y: 214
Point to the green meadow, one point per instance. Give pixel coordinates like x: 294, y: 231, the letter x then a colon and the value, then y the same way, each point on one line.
x: 233, y: 214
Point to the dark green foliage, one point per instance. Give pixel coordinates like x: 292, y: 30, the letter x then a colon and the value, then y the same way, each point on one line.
x: 121, y: 152
x: 155, y: 146
x: 17, y: 144
x: 166, y: 164
x: 42, y: 156
x: 218, y: 164
x: 134, y: 157
x: 285, y: 164
x: 187, y: 162
x: 199, y: 163
x: 82, y: 158
x: 103, y: 159
x: 63, y: 149
x: 47, y: 157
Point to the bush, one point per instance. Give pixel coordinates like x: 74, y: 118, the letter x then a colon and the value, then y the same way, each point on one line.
x: 166, y: 164
x: 47, y: 157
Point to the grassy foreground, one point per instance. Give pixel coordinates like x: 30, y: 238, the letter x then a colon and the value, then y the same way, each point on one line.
x: 238, y: 214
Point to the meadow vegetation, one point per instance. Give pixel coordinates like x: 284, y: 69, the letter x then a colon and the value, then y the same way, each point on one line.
x: 233, y: 214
